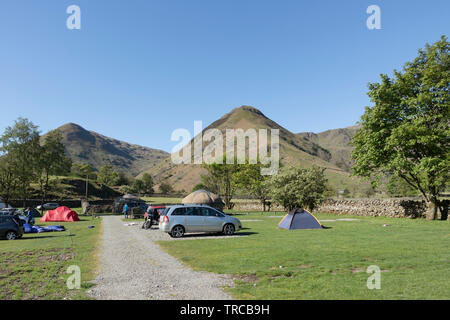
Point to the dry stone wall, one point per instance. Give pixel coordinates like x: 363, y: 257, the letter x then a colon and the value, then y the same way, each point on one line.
x: 398, y: 207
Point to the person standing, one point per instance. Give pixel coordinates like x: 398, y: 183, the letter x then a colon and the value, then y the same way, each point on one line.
x: 125, y: 211
x: 29, y: 217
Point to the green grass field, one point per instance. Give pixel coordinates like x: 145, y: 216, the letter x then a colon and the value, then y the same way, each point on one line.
x: 34, y: 267
x: 271, y: 263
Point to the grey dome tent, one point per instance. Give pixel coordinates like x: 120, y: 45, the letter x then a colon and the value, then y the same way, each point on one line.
x: 299, y: 218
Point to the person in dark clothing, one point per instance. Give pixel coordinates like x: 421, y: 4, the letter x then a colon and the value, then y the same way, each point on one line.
x: 29, y: 216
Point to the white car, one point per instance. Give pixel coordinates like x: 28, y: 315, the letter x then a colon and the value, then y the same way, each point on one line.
x: 180, y: 219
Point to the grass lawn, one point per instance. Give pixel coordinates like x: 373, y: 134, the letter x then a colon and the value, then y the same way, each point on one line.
x: 272, y: 263
x: 34, y: 267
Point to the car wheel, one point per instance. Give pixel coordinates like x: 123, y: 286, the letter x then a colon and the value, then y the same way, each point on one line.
x: 11, y: 235
x: 177, y: 232
x: 228, y: 229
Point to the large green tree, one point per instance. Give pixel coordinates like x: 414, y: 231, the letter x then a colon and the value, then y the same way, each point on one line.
x: 250, y: 179
x: 51, y: 160
x: 138, y: 187
x: 21, y: 144
x: 147, y: 181
x: 165, y: 188
x: 221, y: 179
x: 8, y: 180
x: 406, y: 132
x: 299, y: 187
x: 84, y: 170
x: 107, y: 176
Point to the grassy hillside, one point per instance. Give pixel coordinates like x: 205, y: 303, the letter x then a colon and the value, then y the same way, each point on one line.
x: 84, y: 146
x: 336, y: 142
x: 74, y: 188
x: 295, y: 150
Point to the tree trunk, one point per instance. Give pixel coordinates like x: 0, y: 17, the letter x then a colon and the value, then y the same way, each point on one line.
x: 432, y: 211
x: 443, y: 208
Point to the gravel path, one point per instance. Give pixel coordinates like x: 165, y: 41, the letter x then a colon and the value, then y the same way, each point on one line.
x: 132, y: 266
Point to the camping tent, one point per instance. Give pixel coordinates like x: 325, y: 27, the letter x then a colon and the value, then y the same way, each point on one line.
x: 60, y: 214
x: 204, y: 197
x: 299, y: 219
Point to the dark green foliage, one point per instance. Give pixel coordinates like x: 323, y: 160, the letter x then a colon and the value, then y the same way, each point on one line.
x: 165, y: 188
x: 250, y: 179
x: 406, y: 132
x: 21, y: 143
x: 147, y: 183
x: 222, y: 179
x: 199, y: 186
x: 397, y: 187
x: 107, y: 176
x: 299, y: 187
x: 51, y: 160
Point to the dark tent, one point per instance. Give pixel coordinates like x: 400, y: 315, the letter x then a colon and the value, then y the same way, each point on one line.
x: 299, y: 219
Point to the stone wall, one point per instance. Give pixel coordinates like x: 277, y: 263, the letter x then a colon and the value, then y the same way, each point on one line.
x: 254, y: 205
x: 398, y: 208
x: 97, y: 206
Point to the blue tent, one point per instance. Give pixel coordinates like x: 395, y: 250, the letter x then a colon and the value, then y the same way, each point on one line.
x: 299, y: 219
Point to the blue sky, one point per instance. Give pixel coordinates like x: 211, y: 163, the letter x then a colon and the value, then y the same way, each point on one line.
x: 137, y: 70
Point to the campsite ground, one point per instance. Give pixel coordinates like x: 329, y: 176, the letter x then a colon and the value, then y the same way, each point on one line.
x: 34, y: 267
x: 266, y: 262
x: 271, y: 263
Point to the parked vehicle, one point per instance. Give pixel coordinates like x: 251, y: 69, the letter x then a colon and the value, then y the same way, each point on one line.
x: 11, y: 227
x: 181, y: 219
x: 3, y: 205
x: 8, y: 211
x: 152, y: 215
x: 48, y: 206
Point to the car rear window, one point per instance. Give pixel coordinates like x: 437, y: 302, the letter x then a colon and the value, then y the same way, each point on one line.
x: 164, y: 212
x: 179, y: 212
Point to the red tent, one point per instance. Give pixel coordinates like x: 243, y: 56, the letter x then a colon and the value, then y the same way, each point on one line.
x: 60, y: 214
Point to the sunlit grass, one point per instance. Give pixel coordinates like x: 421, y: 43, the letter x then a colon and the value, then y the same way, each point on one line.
x: 34, y: 267
x: 271, y: 263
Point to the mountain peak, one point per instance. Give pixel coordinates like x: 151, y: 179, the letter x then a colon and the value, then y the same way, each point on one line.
x: 246, y: 108
x: 71, y: 127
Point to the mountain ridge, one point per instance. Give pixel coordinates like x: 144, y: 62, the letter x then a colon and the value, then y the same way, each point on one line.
x: 329, y: 149
x: 295, y: 150
x: 97, y: 150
